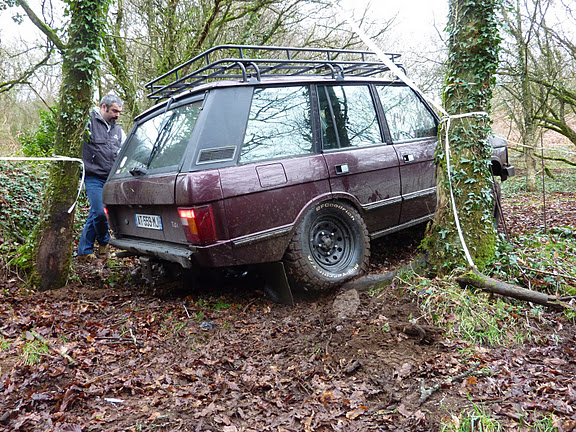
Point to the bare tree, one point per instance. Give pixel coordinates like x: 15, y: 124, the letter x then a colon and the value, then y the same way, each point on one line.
x: 150, y: 37
x: 556, y: 76
x: 521, y: 52
x: 537, y: 73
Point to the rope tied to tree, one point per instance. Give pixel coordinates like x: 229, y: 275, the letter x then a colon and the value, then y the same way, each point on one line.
x: 447, y: 118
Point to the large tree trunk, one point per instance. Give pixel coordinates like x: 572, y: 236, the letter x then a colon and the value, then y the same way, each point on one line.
x: 473, y: 57
x: 54, y: 235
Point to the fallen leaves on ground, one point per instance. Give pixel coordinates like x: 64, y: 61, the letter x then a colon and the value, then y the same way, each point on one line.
x: 98, y: 357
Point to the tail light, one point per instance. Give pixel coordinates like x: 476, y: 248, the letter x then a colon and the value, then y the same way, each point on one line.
x: 107, y: 216
x: 198, y: 224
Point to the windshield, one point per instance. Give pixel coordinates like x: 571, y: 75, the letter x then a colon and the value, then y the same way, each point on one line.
x: 160, y: 141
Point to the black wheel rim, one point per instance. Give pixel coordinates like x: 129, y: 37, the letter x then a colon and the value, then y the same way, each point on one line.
x: 331, y: 244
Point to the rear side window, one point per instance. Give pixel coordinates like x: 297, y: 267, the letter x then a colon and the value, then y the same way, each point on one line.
x: 161, y: 141
x: 407, y: 116
x: 347, y: 117
x: 278, y: 125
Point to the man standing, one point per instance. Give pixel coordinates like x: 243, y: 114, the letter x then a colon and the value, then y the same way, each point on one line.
x: 98, y: 153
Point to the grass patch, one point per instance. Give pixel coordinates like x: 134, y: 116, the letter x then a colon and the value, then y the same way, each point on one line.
x: 471, y: 315
x: 479, y: 419
x: 32, y: 352
x: 562, y: 181
x: 545, y: 263
x: 475, y: 419
x: 4, y: 344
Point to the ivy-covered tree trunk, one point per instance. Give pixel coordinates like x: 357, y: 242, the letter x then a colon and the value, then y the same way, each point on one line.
x: 473, y: 57
x: 54, y: 235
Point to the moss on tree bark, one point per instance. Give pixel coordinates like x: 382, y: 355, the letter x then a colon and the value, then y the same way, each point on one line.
x: 473, y: 57
x: 54, y: 235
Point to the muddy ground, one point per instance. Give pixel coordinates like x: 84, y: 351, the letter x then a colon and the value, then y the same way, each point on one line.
x: 106, y: 354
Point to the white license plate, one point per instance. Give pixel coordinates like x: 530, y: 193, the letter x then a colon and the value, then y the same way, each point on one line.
x: 149, y: 221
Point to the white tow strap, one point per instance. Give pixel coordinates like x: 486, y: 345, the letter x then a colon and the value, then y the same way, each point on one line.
x: 445, y: 116
x: 55, y: 158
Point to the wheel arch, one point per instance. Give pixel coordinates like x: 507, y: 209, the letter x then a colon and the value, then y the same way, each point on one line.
x: 343, y: 198
x: 336, y: 249
x: 496, y: 167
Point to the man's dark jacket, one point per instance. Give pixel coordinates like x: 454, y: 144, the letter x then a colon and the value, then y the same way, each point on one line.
x: 101, y: 149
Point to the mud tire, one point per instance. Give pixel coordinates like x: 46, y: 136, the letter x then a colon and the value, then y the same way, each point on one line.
x: 329, y: 247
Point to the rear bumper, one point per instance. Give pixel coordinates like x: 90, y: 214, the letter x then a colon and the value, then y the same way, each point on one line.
x: 180, y: 254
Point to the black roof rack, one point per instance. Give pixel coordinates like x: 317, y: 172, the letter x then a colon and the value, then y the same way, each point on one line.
x: 247, y: 62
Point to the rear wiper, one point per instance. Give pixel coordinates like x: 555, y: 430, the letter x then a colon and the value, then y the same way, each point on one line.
x: 162, y: 133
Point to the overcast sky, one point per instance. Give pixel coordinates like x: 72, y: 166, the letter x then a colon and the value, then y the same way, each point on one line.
x: 413, y: 17
x: 414, y: 20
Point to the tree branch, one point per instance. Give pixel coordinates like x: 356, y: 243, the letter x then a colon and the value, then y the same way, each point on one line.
x: 23, y: 79
x: 425, y: 392
x: 208, y: 24
x: 44, y: 28
x: 557, y: 159
x: 559, y: 126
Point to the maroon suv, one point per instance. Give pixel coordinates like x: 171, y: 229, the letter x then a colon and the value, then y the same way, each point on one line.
x: 259, y: 155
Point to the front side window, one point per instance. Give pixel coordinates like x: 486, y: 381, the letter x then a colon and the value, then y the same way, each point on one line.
x: 347, y: 117
x: 408, y: 118
x: 160, y: 141
x: 278, y: 125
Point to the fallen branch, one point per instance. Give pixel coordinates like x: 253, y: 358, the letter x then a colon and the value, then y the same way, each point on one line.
x: 52, y: 347
x: 425, y: 393
x: 111, y: 340
x: 474, y: 278
x: 417, y: 265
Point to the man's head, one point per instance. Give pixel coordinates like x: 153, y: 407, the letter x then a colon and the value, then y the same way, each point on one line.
x: 110, y: 108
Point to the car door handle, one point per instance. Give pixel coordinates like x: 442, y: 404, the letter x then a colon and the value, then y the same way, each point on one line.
x: 138, y: 171
x: 408, y: 158
x: 342, y: 169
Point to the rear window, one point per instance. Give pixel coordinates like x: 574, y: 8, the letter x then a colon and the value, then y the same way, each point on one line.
x: 160, y: 142
x: 278, y: 125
